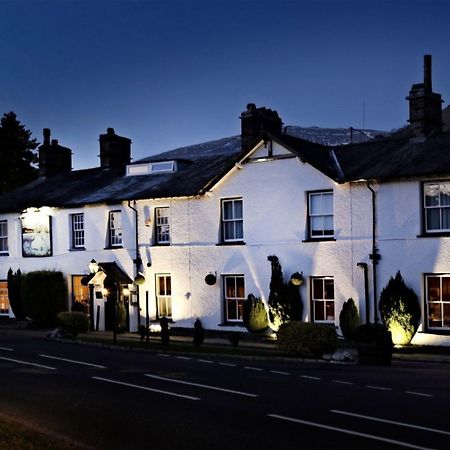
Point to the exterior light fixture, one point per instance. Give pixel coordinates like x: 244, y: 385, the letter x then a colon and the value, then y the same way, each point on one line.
x: 105, y: 292
x: 297, y: 279
x: 93, y: 266
x: 210, y: 279
x: 139, y: 279
x: 126, y: 292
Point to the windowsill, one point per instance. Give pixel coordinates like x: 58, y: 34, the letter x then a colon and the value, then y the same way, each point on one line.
x: 221, y: 244
x: 324, y: 239
x: 113, y: 248
x: 443, y: 332
x: 434, y: 235
x: 4, y: 254
x: 231, y: 324
x: 161, y: 244
x: 77, y: 249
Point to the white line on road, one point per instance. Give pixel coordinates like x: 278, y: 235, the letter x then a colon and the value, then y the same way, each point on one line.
x: 73, y: 361
x: 183, y: 357
x: 310, y: 377
x: 6, y: 349
x: 420, y: 394
x: 28, y: 363
x: 145, y: 388
x: 343, y: 382
x: 164, y: 355
x: 378, y: 419
x: 206, y: 386
x: 280, y: 372
x: 227, y: 364
x: 354, y: 433
x: 207, y: 361
x: 258, y: 369
x: 378, y: 388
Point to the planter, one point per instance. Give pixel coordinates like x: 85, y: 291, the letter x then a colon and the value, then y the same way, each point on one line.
x: 374, y: 354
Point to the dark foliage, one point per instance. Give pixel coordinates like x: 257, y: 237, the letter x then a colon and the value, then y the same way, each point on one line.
x: 165, y: 332
x: 199, y: 333
x: 234, y: 338
x: 73, y: 323
x: 307, y: 339
x: 349, y: 319
x: 374, y: 344
x: 44, y: 295
x: 17, y: 154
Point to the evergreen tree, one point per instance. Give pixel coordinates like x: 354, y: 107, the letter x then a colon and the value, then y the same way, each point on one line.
x: 17, y: 154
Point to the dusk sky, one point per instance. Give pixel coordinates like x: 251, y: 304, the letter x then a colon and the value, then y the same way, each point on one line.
x: 173, y: 73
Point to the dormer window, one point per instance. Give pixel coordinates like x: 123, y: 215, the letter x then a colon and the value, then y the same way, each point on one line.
x: 152, y: 167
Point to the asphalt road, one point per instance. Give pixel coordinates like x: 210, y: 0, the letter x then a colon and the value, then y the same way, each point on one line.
x: 112, y: 399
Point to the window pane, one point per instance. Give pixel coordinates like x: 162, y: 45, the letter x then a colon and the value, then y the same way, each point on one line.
x: 327, y: 203
x: 445, y: 218
x: 238, y: 209
x: 230, y: 288
x: 317, y: 288
x: 329, y: 289
x: 446, y: 314
x: 445, y: 194
x: 433, y: 219
x: 228, y: 210
x: 240, y: 287
x: 434, y: 315
x: 319, y: 311
x: 317, y: 226
x: 330, y: 310
x: 434, y: 289
x: 315, y: 203
x: 328, y: 225
x: 431, y: 194
x: 445, y: 294
x: 228, y: 230
x: 239, y: 229
x: 231, y: 310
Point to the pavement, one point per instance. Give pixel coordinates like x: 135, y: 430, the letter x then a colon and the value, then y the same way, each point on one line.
x: 247, y: 347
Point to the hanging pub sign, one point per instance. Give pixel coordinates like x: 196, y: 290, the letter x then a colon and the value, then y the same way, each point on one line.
x: 36, y: 233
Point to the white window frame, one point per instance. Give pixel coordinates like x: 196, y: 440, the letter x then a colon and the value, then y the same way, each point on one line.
x: 77, y: 228
x: 441, y: 187
x: 163, y: 299
x: 115, y: 228
x: 234, y: 302
x: 234, y: 220
x: 320, y: 215
x: 162, y: 225
x: 4, y: 237
x: 321, y: 302
x: 442, y: 304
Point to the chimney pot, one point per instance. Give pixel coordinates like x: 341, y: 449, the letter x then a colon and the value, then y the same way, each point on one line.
x: 251, y: 107
x: 46, y: 133
x: 110, y: 130
x: 54, y: 142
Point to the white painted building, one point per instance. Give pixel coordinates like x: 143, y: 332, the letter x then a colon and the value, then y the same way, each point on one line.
x: 347, y: 217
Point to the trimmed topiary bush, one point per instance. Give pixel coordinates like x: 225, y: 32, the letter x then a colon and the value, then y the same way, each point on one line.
x: 349, y: 319
x: 199, y: 333
x: 73, y: 322
x: 254, y: 314
x: 374, y: 344
x: 400, y: 310
x: 307, y: 339
x: 44, y: 294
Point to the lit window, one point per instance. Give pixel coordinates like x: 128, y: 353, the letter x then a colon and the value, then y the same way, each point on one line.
x: 320, y: 215
x: 80, y: 294
x: 4, y: 299
x: 234, y: 296
x: 437, y: 207
x: 162, y: 226
x: 3, y: 237
x: 163, y: 296
x: 77, y: 221
x: 232, y: 220
x: 438, y: 301
x: 115, y: 229
x: 323, y: 299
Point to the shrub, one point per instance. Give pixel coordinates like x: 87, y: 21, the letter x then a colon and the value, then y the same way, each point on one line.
x: 400, y: 310
x: 254, y: 314
x: 44, y: 295
x: 234, y: 338
x: 73, y: 323
x: 199, y: 333
x: 374, y: 344
x: 165, y: 333
x: 349, y: 319
x: 307, y: 339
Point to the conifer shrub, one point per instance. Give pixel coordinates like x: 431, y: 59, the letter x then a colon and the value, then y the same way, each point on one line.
x: 44, y: 294
x: 165, y: 332
x: 254, y: 314
x: 199, y: 333
x: 73, y: 322
x: 307, y: 339
x: 400, y: 310
x: 374, y: 344
x: 349, y: 319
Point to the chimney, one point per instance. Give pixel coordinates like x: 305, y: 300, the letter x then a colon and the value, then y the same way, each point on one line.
x: 255, y: 120
x: 115, y: 151
x: 53, y: 158
x: 425, y: 106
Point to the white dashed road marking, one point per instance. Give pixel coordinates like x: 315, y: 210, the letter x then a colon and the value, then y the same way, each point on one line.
x: 28, y: 363
x: 97, y: 366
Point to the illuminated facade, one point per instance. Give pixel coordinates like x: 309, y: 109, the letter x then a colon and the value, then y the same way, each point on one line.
x: 186, y: 234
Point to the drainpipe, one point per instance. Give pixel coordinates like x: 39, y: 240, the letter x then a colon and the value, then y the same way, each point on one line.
x: 137, y: 261
x: 366, y: 289
x: 374, y: 256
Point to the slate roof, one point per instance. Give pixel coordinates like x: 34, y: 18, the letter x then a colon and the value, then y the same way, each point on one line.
x: 201, y: 166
